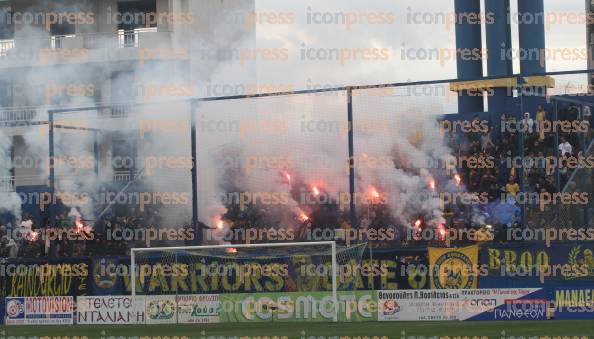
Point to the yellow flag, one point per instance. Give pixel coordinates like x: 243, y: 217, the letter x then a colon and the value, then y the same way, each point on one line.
x: 453, y: 268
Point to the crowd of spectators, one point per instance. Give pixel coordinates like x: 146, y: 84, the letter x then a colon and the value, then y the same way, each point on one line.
x: 501, y: 182
x: 105, y: 237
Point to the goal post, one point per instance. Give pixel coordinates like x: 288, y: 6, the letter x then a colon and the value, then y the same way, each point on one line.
x: 247, y: 261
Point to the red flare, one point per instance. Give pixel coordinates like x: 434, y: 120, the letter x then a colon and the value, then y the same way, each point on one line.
x: 374, y: 193
x: 79, y: 225
x: 34, y: 235
x: 303, y: 217
x: 231, y: 250
x: 287, y: 176
x: 442, y: 231
x: 418, y: 223
x: 315, y: 190
x: 432, y: 185
x: 220, y: 224
x: 458, y: 179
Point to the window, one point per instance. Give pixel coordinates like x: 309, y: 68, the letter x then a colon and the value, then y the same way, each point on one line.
x: 6, y: 26
x: 123, y: 153
x: 134, y: 14
x: 6, y: 93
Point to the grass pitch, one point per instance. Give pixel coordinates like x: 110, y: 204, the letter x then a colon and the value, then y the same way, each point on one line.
x: 570, y: 329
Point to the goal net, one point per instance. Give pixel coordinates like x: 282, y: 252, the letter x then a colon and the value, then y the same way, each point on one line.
x: 318, y: 268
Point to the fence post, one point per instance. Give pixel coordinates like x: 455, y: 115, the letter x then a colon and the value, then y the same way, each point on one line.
x: 556, y: 150
x: 195, y: 225
x: 52, y: 180
x: 353, y: 212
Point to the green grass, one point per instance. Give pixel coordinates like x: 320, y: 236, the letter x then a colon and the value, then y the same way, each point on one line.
x: 492, y: 330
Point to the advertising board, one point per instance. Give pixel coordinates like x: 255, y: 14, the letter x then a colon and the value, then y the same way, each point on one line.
x: 110, y: 310
x: 462, y: 304
x: 574, y: 303
x: 160, y: 309
x: 298, y: 306
x: 39, y: 311
x: 198, y: 309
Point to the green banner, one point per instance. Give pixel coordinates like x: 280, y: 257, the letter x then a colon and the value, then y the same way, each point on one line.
x: 297, y: 306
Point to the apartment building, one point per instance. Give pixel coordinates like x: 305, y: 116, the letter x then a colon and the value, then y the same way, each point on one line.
x: 107, y: 55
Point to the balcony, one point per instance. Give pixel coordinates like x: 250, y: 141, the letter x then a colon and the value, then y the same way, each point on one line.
x: 10, y: 117
x: 120, y: 45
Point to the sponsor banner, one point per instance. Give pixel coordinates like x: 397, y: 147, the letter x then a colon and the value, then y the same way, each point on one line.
x: 198, y: 309
x: 430, y: 305
x: 110, y: 310
x: 40, y: 311
x: 452, y: 268
x: 462, y: 304
x: 574, y: 303
x: 504, y: 304
x: 298, y: 307
x: 160, y: 309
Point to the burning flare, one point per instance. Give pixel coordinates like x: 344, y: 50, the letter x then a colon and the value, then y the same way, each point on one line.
x: 79, y: 225
x: 33, y: 236
x: 287, y: 176
x: 303, y: 217
x: 374, y: 193
x: 458, y: 179
x: 315, y: 190
x: 432, y: 185
x: 442, y: 231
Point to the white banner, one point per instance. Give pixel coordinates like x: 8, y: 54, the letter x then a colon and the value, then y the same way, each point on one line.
x: 194, y: 309
x: 110, y: 310
x: 39, y: 311
x: 160, y: 309
x: 418, y: 305
x: 461, y: 304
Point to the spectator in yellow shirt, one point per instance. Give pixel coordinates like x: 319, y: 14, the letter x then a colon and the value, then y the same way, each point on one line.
x: 541, y: 115
x: 512, y: 188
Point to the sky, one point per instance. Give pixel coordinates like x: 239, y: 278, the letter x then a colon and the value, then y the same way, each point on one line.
x: 390, y: 37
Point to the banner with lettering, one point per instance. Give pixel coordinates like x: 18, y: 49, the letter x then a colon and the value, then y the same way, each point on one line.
x: 560, y: 265
x: 112, y: 310
x: 43, y: 278
x: 574, y: 303
x: 40, y: 311
x: 462, y: 304
x: 380, y: 268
